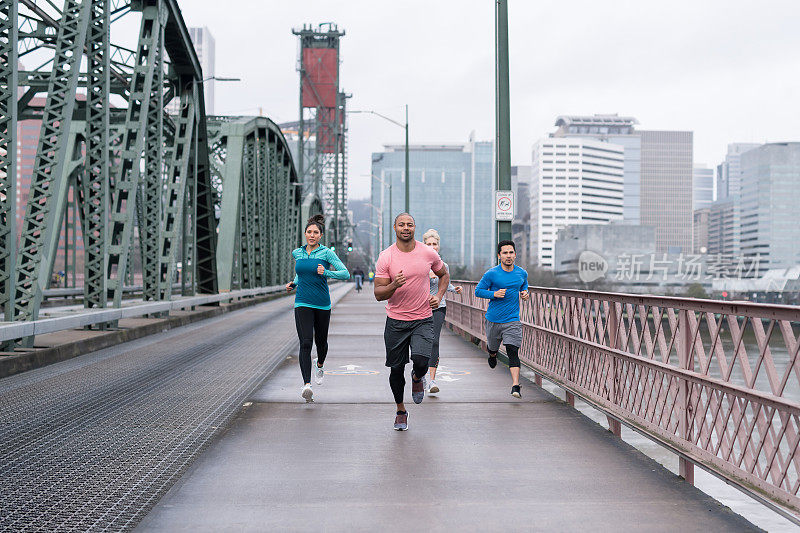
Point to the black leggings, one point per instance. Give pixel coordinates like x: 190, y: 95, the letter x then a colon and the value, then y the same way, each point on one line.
x: 397, y: 378
x: 438, y: 321
x: 513, y: 355
x: 312, y: 327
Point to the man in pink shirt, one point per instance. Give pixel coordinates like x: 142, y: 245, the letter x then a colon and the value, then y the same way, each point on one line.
x: 401, y: 277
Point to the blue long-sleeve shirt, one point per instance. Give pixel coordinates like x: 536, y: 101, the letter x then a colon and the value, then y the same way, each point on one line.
x: 312, y: 289
x: 504, y: 309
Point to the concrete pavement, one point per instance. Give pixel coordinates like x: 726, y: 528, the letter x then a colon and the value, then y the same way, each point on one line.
x: 474, y: 458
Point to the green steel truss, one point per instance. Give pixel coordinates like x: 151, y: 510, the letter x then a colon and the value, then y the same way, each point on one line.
x: 260, y: 204
x: 221, y: 196
x: 128, y: 173
x: 177, y: 178
x: 98, y: 142
x: 8, y: 154
x: 35, y: 258
x: 152, y: 182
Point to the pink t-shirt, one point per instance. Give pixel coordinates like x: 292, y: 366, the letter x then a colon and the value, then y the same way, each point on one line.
x: 411, y: 301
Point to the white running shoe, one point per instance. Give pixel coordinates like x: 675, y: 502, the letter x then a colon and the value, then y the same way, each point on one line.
x: 434, y: 388
x: 307, y: 393
x: 319, y: 373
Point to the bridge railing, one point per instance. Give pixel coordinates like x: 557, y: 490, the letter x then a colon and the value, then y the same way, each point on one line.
x: 716, y: 382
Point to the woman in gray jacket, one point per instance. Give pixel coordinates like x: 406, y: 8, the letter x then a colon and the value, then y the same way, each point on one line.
x: 431, y: 238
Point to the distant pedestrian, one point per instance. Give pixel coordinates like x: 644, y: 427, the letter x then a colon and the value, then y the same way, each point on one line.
x: 431, y: 238
x: 401, y: 277
x: 314, y: 265
x: 358, y: 277
x: 503, y: 286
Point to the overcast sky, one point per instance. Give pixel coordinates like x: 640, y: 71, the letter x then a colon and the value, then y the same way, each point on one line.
x: 727, y: 70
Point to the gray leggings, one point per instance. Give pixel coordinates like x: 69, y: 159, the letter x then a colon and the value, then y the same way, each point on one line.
x: 438, y: 321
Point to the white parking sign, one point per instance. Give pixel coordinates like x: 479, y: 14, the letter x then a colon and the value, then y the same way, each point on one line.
x: 503, y: 205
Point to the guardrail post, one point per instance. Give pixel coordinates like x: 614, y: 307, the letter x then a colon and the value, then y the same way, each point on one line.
x: 614, y: 425
x: 570, y: 330
x: 685, y: 467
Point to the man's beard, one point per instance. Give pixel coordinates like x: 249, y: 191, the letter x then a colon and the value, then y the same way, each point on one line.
x: 405, y: 239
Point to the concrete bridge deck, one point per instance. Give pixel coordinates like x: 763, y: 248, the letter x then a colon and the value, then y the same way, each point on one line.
x: 474, y: 458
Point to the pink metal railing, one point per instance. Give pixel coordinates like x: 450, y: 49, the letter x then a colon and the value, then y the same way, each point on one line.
x: 717, y: 382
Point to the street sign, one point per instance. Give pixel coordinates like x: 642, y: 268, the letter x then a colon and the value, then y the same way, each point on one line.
x: 504, y: 205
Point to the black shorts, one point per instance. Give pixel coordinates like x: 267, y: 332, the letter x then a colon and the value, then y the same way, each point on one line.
x: 400, y: 335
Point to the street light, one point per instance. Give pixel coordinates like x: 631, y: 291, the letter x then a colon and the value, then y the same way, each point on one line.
x: 380, y: 227
x: 405, y: 127
x: 389, y: 185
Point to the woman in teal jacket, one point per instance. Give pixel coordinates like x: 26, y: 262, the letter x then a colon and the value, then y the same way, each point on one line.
x: 314, y: 265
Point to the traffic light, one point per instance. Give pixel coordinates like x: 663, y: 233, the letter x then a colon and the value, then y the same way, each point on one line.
x: 349, y: 246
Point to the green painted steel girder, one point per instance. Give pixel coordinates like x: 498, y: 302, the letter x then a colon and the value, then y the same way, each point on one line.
x: 260, y: 204
x: 8, y: 154
x: 128, y: 173
x: 41, y: 222
x: 95, y: 179
x: 177, y: 178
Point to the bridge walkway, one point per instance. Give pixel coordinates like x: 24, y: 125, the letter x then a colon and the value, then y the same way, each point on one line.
x: 474, y: 458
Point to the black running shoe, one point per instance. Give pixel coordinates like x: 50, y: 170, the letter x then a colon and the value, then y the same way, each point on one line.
x: 515, y: 391
x: 417, y: 389
x: 492, y: 361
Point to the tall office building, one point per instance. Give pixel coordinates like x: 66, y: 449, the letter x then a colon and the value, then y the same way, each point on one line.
x: 205, y: 47
x: 451, y: 190
x: 575, y: 181
x: 658, y: 173
x: 616, y: 130
x: 521, y: 176
x: 770, y: 175
x: 729, y: 171
x: 700, y: 230
x: 723, y: 228
x: 666, y: 188
x: 702, y: 186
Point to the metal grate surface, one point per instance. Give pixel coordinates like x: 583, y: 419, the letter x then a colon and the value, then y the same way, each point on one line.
x: 94, y: 442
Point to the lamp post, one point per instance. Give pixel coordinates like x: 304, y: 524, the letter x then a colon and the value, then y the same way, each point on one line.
x: 380, y: 226
x: 405, y: 127
x: 502, y: 113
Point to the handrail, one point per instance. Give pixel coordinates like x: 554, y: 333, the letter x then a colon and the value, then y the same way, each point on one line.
x: 716, y: 382
x: 17, y: 330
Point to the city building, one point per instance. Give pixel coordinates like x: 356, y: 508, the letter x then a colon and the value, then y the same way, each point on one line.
x: 702, y: 186
x: 770, y: 232
x: 205, y: 48
x: 451, y: 190
x: 610, y: 244
x: 666, y: 188
x: 616, y: 130
x: 723, y: 227
x: 729, y: 171
x: 623, y: 258
x: 700, y: 230
x: 574, y: 181
x: 658, y: 173
x: 521, y: 225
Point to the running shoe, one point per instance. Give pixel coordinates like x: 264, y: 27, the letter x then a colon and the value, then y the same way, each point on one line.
x: 319, y: 373
x: 307, y: 393
x: 434, y: 387
x: 492, y: 361
x: 417, y: 389
x: 401, y: 421
x: 516, y: 392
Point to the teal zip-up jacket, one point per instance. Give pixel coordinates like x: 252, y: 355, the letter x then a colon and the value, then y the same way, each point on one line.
x: 312, y: 289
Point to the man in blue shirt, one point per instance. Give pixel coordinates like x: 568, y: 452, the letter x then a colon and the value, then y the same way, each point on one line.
x: 503, y: 286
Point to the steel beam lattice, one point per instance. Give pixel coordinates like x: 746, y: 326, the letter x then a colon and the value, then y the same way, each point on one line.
x: 95, y: 179
x: 35, y: 259
x: 133, y: 143
x: 8, y: 154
